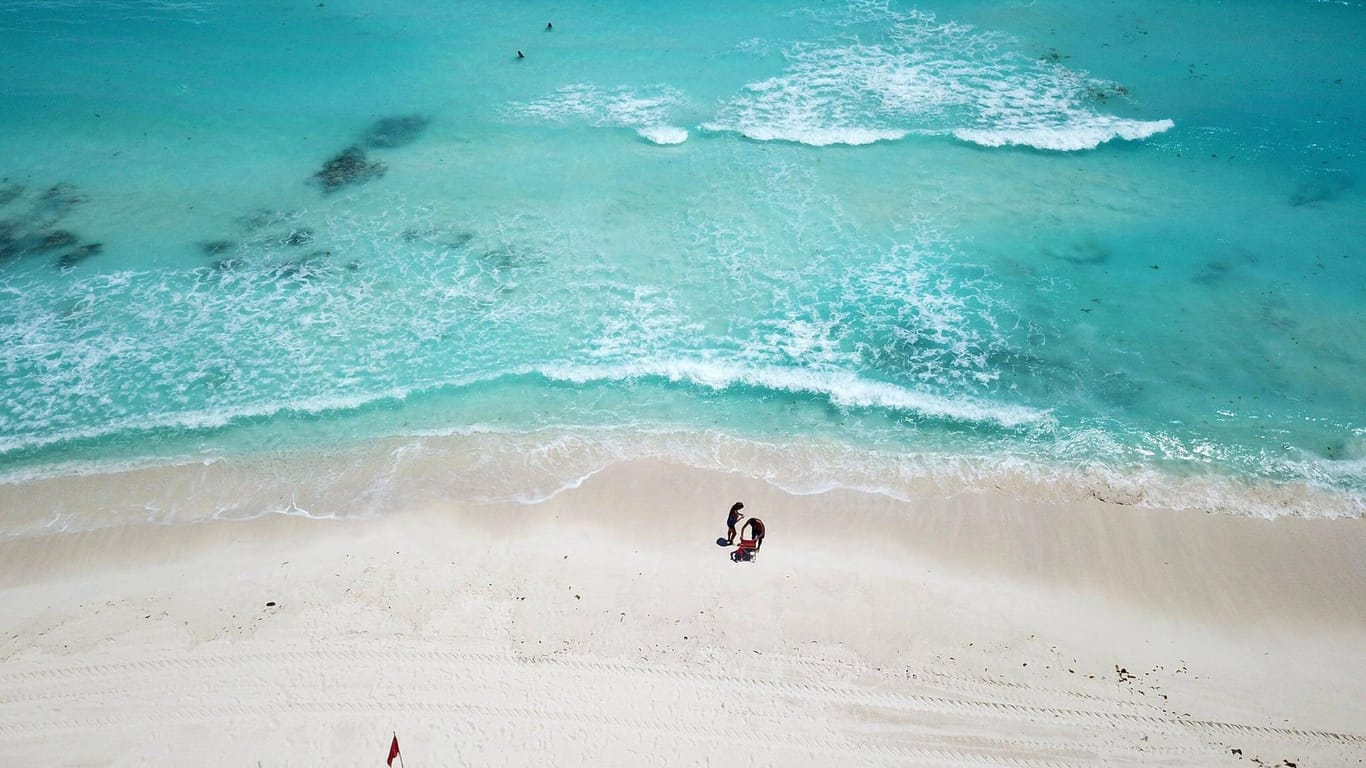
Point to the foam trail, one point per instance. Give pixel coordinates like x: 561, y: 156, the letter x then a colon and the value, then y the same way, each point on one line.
x: 842, y: 388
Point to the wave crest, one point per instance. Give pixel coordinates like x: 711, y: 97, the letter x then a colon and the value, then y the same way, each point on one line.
x: 663, y: 134
x: 1085, y: 134
x: 841, y: 388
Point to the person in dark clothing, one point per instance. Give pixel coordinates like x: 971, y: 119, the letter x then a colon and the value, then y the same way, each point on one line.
x: 731, y: 520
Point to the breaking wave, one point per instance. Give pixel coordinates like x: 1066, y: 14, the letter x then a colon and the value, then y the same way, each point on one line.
x: 926, y: 78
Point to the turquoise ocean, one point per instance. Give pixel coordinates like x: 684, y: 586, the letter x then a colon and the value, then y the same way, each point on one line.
x: 1089, y: 249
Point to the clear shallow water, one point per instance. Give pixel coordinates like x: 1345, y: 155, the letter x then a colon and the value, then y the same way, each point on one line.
x: 1104, y: 248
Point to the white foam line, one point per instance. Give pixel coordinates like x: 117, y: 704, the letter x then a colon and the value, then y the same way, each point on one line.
x: 201, y: 419
x: 844, y: 389
x: 1071, y: 137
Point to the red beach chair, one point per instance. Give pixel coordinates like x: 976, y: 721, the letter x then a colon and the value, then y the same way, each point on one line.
x: 746, y: 552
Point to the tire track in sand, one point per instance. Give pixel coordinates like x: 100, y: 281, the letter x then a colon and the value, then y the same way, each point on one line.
x: 255, y: 675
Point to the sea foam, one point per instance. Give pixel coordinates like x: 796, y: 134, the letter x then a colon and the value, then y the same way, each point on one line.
x: 841, y: 388
x: 647, y: 110
x: 1084, y: 134
x: 664, y: 134
x: 927, y: 78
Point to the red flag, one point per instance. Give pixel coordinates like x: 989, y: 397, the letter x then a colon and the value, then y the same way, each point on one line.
x: 393, y: 751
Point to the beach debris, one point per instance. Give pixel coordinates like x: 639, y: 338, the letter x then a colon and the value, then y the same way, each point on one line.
x: 351, y: 166
x: 1124, y: 674
x: 1282, y: 763
x: 393, y: 132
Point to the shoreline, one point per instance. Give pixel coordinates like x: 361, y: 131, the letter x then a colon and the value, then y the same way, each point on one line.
x: 371, y: 478
x: 978, y: 628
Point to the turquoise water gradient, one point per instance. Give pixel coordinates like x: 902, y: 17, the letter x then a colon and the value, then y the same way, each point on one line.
x: 1116, y: 240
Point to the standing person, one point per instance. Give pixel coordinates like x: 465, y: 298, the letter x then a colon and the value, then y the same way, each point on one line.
x: 756, y: 532
x: 731, y: 520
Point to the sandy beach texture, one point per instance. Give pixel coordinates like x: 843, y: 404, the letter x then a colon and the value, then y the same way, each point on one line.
x: 605, y: 627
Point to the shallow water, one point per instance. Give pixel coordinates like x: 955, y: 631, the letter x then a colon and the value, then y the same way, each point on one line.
x: 1106, y: 248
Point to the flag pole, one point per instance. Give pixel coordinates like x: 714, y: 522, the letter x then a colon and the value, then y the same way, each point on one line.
x: 400, y: 752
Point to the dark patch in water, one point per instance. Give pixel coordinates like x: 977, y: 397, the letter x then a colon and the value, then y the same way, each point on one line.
x: 261, y: 218
x: 1214, y: 272
x: 393, y: 132
x: 215, y: 247
x: 18, y: 240
x: 71, y: 258
x: 34, y: 232
x: 1119, y: 390
x: 9, y: 244
x: 58, y: 239
x: 1276, y: 316
x: 1335, y: 450
x: 226, y: 265
x: 1082, y: 253
x: 460, y: 240
x: 9, y: 193
x: 349, y: 167
x: 1320, y: 187
x: 54, y: 204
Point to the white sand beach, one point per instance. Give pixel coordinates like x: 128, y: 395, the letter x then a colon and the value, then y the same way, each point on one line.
x: 605, y: 627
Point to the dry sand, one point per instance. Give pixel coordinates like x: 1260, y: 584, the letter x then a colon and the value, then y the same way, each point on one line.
x: 605, y: 627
